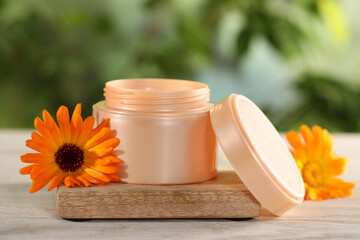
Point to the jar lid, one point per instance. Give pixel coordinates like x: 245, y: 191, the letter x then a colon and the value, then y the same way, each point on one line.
x: 257, y: 153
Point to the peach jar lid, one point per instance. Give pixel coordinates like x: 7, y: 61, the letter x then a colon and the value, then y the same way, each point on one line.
x: 257, y: 153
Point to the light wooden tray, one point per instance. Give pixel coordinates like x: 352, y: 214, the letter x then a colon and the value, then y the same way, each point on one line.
x: 223, y: 197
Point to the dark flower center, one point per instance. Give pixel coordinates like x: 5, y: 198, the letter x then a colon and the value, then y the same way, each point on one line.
x: 69, y: 157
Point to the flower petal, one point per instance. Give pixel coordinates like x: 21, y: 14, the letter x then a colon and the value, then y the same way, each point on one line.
x: 105, y: 169
x: 306, y: 134
x: 35, y: 158
x: 113, y: 159
x: 55, y: 181
x: 84, y: 181
x: 36, y: 186
x: 38, y: 147
x: 313, y: 194
x: 328, y: 143
x: 42, y: 180
x: 51, y: 125
x: 294, y: 140
x: 62, y: 116
x: 98, y: 138
x: 77, y: 111
x: 41, y: 128
x: 97, y: 175
x: 106, y: 160
x: 85, y: 131
x: 339, y: 188
x: 76, y: 126
x: 26, y: 170
x: 103, y: 124
x: 41, y: 171
x: 42, y: 141
x: 68, y: 182
x: 94, y: 180
x: 99, y: 153
x: 109, y: 143
x: 75, y: 181
x: 317, y: 143
x: 337, y: 166
x: 114, y: 177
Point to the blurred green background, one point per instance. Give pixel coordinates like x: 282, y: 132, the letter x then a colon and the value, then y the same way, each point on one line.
x: 298, y: 60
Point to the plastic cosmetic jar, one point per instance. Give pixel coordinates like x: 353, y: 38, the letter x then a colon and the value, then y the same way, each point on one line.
x: 164, y: 128
x: 168, y: 135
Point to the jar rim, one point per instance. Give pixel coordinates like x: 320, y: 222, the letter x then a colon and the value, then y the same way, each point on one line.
x: 156, y: 95
x: 156, y: 88
x: 102, y: 105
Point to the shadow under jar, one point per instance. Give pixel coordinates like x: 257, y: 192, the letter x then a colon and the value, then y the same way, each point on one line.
x: 164, y: 128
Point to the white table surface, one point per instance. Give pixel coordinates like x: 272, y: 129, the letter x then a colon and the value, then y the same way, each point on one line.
x: 34, y: 216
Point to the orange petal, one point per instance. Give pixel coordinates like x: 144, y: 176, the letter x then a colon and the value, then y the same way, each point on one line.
x: 76, y: 123
x: 101, y: 161
x: 294, y: 140
x: 68, y: 182
x: 43, y: 171
x: 112, y: 142
x: 114, y: 177
x: 113, y: 159
x: 105, y: 169
x: 40, y: 126
x: 103, y: 124
x: 337, y: 166
x: 313, y: 194
x: 317, y: 143
x: 62, y: 116
x: 86, y: 130
x: 35, y: 158
x: 299, y: 156
x: 76, y: 181
x: 26, y: 170
x: 106, y: 161
x: 37, y: 170
x: 98, y: 138
x: 97, y: 175
x: 328, y: 143
x: 306, y: 134
x: 300, y: 165
x: 55, y: 181
x: 76, y: 127
x: 37, y: 186
x: 93, y: 180
x: 339, y: 188
x: 101, y: 152
x: 84, y: 181
x: 77, y: 110
x: 339, y: 183
x: 42, y: 141
x: 42, y: 181
x: 39, y: 147
x: 51, y: 125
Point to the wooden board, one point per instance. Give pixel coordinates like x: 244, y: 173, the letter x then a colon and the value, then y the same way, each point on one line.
x: 223, y: 197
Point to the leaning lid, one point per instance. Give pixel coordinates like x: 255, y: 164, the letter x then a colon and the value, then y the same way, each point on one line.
x: 257, y: 153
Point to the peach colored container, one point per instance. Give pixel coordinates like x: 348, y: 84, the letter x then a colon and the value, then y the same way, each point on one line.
x: 164, y: 129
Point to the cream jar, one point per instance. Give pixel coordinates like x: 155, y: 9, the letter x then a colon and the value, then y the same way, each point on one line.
x: 167, y: 136
x: 164, y: 128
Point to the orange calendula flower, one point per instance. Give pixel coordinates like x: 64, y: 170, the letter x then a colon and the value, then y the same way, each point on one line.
x: 318, y: 164
x: 72, y: 152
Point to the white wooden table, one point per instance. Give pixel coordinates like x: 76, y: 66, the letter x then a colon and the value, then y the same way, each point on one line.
x: 33, y: 216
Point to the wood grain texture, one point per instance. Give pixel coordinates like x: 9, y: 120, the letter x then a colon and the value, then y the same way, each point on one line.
x: 34, y: 216
x: 223, y: 197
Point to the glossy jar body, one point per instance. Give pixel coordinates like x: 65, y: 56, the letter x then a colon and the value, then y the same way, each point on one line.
x: 164, y: 129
